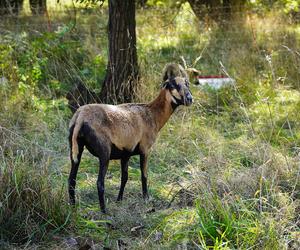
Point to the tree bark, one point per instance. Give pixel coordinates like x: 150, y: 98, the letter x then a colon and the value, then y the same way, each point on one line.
x: 122, y: 68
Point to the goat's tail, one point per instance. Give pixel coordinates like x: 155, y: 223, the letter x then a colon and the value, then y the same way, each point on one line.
x: 77, y: 127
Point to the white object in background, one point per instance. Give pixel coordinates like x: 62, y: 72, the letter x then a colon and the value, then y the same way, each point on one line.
x: 215, y: 82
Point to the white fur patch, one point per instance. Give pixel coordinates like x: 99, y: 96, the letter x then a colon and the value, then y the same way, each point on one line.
x: 75, y: 158
x: 173, y: 100
x: 175, y: 94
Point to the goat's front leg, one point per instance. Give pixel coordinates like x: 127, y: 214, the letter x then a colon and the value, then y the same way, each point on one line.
x: 143, y: 166
x: 100, y: 182
x: 124, y: 177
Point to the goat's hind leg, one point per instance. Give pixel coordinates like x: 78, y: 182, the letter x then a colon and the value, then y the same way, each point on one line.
x: 103, y: 162
x: 73, y: 173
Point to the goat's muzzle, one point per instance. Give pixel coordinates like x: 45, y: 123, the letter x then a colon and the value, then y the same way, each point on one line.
x: 188, y: 100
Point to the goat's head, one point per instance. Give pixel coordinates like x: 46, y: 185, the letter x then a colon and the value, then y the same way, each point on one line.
x: 180, y: 90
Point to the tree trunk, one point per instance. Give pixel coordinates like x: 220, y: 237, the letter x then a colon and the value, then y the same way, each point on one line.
x: 38, y: 7
x: 122, y: 68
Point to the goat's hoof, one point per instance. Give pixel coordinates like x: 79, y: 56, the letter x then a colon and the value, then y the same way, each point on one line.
x: 119, y: 199
x: 103, y: 210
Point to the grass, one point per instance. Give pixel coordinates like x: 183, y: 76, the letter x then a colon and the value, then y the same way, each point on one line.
x: 223, y: 174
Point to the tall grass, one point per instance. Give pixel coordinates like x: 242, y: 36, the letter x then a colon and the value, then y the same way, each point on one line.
x: 31, y: 208
x: 32, y: 194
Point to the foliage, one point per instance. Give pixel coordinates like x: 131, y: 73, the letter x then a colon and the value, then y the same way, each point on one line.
x: 288, y: 6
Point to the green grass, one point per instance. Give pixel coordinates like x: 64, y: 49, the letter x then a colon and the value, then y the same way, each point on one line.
x: 223, y: 174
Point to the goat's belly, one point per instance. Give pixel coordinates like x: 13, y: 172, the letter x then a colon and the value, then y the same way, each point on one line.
x: 117, y: 153
x: 126, y: 140
x: 125, y: 146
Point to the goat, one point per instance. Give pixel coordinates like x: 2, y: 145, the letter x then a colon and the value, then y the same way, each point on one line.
x: 120, y: 131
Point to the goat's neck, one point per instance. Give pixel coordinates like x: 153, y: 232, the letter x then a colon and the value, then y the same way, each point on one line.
x: 162, y: 108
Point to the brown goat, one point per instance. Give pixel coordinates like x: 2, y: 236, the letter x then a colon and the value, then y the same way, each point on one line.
x: 120, y: 131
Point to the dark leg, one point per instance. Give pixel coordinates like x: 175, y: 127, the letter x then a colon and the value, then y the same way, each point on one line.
x: 100, y: 182
x: 73, y: 174
x: 143, y: 165
x: 124, y: 177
